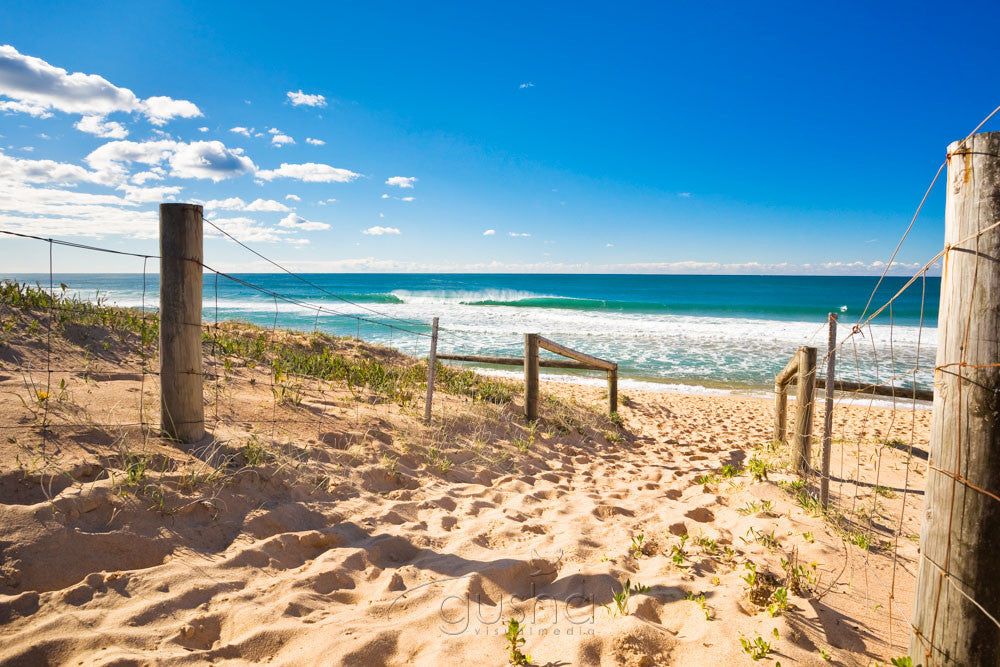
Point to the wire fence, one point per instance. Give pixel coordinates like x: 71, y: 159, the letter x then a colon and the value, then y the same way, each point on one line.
x: 886, y: 474
x: 883, y: 467
x: 275, y: 380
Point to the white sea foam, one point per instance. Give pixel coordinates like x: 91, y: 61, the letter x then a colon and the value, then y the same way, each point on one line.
x: 693, y: 349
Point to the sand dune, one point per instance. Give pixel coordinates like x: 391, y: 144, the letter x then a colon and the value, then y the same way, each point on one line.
x: 340, y: 530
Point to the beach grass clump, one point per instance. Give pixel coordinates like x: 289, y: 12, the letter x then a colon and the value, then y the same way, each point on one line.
x: 700, y: 601
x: 73, y: 317
x: 756, y: 648
x: 463, y: 382
x: 515, y: 640
x: 621, y: 598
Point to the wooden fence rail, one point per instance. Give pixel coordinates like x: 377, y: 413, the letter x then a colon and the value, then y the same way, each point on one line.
x: 532, y: 362
x: 801, y: 371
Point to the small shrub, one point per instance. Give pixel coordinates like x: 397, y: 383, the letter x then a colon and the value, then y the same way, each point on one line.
x: 514, y: 642
x: 757, y: 468
x: 757, y: 648
x: 636, y: 548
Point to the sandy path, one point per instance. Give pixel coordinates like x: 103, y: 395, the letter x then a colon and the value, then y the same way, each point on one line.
x: 377, y: 574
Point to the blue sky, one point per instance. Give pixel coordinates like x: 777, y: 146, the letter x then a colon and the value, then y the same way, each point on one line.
x: 766, y: 138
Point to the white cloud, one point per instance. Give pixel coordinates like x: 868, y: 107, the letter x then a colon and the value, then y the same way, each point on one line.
x: 489, y: 232
x: 293, y: 221
x: 230, y: 204
x: 97, y: 125
x: 293, y: 197
x: 526, y: 84
x: 686, y: 195
x: 518, y: 235
x: 60, y: 212
x: 380, y: 231
x: 309, y: 172
x: 144, y: 176
x: 203, y: 129
x: 21, y: 107
x: 16, y: 170
x: 266, y: 205
x: 160, y: 109
x: 373, y: 265
x: 245, y: 131
x: 197, y: 159
x: 315, y: 142
x: 281, y: 139
x: 36, y: 87
x: 237, y: 204
x: 149, y: 195
x: 401, y: 181
x: 609, y: 245
x: 407, y: 199
x: 246, y: 229
x: 305, y: 99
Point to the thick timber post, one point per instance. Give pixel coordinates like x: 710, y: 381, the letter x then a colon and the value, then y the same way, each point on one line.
x: 182, y: 409
x: 781, y: 381
x: 431, y: 370
x: 806, y: 378
x: 613, y: 390
x: 531, y: 377
x: 957, y: 585
x: 831, y: 371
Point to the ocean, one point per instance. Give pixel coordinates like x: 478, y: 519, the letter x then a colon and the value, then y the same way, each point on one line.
x: 670, y: 332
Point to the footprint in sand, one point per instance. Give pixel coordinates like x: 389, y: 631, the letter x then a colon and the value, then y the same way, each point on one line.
x: 603, y: 512
x: 701, y: 515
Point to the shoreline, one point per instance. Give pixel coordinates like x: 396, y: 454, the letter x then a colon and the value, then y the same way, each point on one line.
x: 322, y: 502
x: 684, y: 389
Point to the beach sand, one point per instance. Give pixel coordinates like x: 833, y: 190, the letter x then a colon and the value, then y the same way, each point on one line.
x: 336, y: 528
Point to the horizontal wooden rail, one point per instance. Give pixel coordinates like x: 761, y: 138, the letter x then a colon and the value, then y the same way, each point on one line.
x: 600, y: 364
x: 518, y: 361
x: 531, y: 363
x: 876, y: 390
x: 787, y: 373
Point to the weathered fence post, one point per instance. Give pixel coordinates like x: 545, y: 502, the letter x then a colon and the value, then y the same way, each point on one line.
x: 959, y: 554
x: 182, y: 409
x: 781, y: 399
x: 831, y: 370
x: 780, y: 412
x: 806, y: 379
x: 431, y: 369
x: 531, y: 377
x: 613, y: 390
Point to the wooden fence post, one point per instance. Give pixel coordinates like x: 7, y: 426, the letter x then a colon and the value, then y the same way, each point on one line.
x: 431, y: 370
x: 182, y: 408
x: 531, y: 377
x: 613, y: 390
x: 806, y: 378
x: 959, y: 558
x: 831, y: 370
x: 780, y: 412
x: 781, y: 399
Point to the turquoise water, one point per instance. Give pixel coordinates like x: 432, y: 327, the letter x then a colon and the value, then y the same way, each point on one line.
x: 703, y: 332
